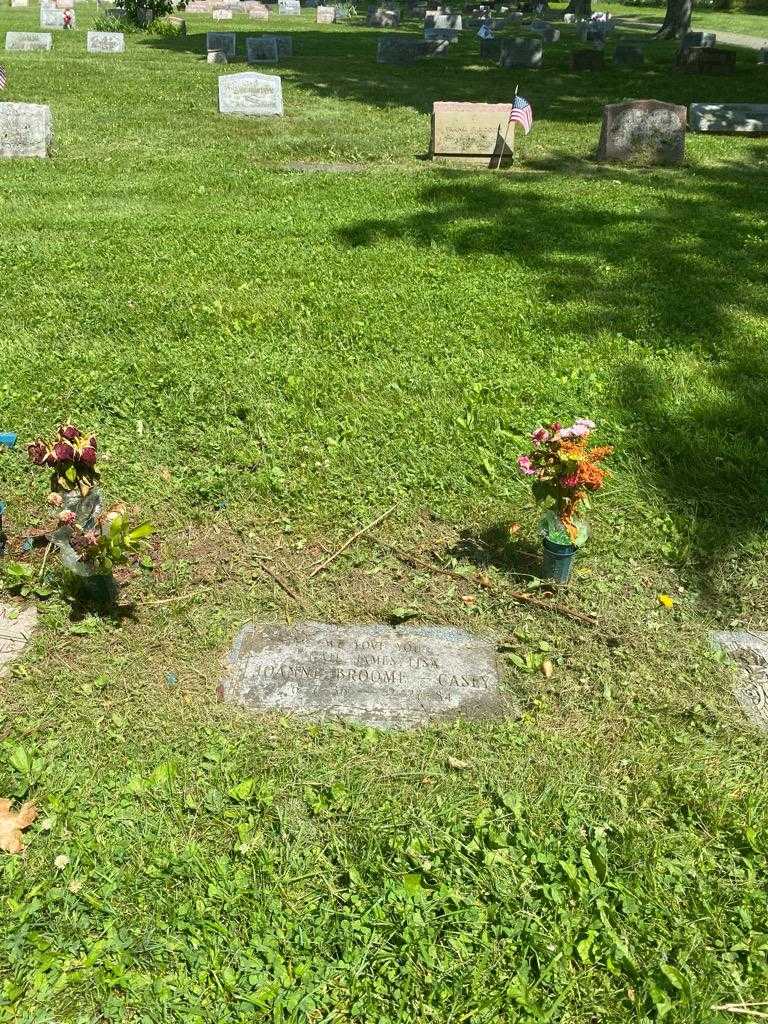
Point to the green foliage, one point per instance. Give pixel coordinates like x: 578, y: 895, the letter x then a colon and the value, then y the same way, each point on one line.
x: 23, y: 579
x: 165, y: 29
x: 106, y: 23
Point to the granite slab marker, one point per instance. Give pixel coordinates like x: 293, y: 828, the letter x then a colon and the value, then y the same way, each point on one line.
x: 521, y: 53
x: 375, y: 676
x: 250, y: 94
x: 26, y: 130
x: 471, y: 134
x: 751, y: 649
x: 224, y: 41
x: 729, y: 118
x: 284, y: 44
x: 261, y: 50
x: 643, y: 132
x: 16, y: 628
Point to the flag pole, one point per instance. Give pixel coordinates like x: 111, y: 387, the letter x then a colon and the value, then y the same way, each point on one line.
x: 506, y: 133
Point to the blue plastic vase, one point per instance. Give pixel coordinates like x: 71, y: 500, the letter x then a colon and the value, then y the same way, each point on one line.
x: 558, y: 561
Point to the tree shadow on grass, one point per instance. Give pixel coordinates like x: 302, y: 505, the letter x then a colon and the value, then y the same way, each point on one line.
x: 674, y: 267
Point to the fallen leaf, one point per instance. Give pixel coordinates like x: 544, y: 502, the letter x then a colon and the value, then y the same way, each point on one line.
x: 666, y: 600
x: 469, y: 599
x: 12, y: 825
x: 547, y: 668
x: 459, y: 766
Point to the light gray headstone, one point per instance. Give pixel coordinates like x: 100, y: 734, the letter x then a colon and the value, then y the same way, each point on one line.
x: 105, y: 42
x: 751, y: 650
x: 694, y: 39
x: 19, y: 3
x: 325, y: 15
x: 225, y: 41
x: 289, y: 7
x: 197, y: 7
x: 729, y: 118
x: 441, y: 35
x: 261, y: 50
x: 28, y: 41
x: 373, y: 675
x: 435, y: 19
x: 50, y: 17
x: 521, y: 53
x: 222, y: 15
x: 251, y: 95
x: 259, y: 13
x: 16, y: 625
x: 569, y: 19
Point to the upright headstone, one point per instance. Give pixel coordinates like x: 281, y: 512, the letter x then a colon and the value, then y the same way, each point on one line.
x: 51, y: 17
x: 707, y: 60
x: 521, y: 53
x: 251, y: 95
x: 548, y: 32
x: 729, y: 118
x: 374, y: 675
x: 697, y: 39
x: 105, y: 42
x: 643, y: 132
x: 28, y: 41
x: 259, y: 12
x: 226, y: 41
x: 341, y: 12
x: 762, y: 60
x: 490, y: 49
x: 569, y: 19
x: 471, y: 133
x: 197, y: 7
x: 630, y: 55
x: 178, y: 23
x: 436, y: 19
x: 26, y: 130
x: 441, y: 35
x: 289, y: 7
x: 381, y: 17
x: 19, y: 3
x: 587, y: 60
x: 399, y: 50
x: 284, y: 45
x: 325, y: 15
x: 261, y: 50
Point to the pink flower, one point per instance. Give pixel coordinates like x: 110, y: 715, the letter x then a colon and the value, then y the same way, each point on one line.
x: 91, y: 537
x: 540, y: 435
x: 589, y: 424
x: 579, y: 430
x: 525, y: 465
x: 570, y: 481
x: 67, y: 518
x: 55, y: 499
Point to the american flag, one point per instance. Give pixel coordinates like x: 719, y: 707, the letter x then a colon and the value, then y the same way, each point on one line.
x: 2, y: 77
x: 521, y: 112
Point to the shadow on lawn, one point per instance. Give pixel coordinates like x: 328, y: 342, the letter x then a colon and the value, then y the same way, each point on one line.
x: 652, y: 273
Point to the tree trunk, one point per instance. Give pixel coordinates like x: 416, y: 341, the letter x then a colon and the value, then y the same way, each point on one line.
x: 677, y: 20
x: 581, y: 8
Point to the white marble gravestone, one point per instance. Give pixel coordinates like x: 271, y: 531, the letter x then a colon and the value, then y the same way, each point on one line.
x: 289, y: 7
x: 261, y: 50
x: 19, y: 3
x: 26, y: 130
x: 105, y: 42
x: 223, y: 15
x: 51, y: 17
x: 325, y: 15
x: 373, y: 675
x: 28, y: 41
x: 251, y: 95
x: 224, y: 41
x: 16, y: 628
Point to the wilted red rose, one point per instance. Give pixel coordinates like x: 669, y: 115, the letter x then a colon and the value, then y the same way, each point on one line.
x: 63, y: 451
x: 88, y: 455
x: 91, y: 537
x: 38, y: 452
x: 68, y: 432
x: 67, y: 518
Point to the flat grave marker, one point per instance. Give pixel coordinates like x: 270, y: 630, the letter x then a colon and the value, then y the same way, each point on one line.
x: 250, y: 94
x: 105, y: 42
x: 374, y: 676
x: 16, y: 625
x: 751, y: 649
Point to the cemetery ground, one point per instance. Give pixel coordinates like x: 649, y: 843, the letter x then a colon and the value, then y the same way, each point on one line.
x: 272, y: 357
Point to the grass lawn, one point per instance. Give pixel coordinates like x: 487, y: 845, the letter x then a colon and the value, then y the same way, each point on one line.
x: 271, y: 358
x: 725, y: 21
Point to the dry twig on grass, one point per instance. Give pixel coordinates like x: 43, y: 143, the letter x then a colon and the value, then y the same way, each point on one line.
x: 352, y: 539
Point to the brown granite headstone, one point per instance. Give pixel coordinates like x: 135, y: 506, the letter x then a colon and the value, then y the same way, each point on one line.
x: 643, y: 132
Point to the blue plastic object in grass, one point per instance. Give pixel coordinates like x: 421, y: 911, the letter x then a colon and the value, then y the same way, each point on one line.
x: 8, y: 440
x: 558, y: 561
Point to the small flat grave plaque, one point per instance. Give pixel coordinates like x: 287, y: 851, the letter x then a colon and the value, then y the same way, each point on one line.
x: 373, y: 675
x: 28, y: 41
x: 105, y: 42
x: 26, y: 130
x: 251, y: 95
x: 224, y: 41
x: 261, y: 50
x: 751, y: 649
x: 19, y: 3
x: 16, y: 627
